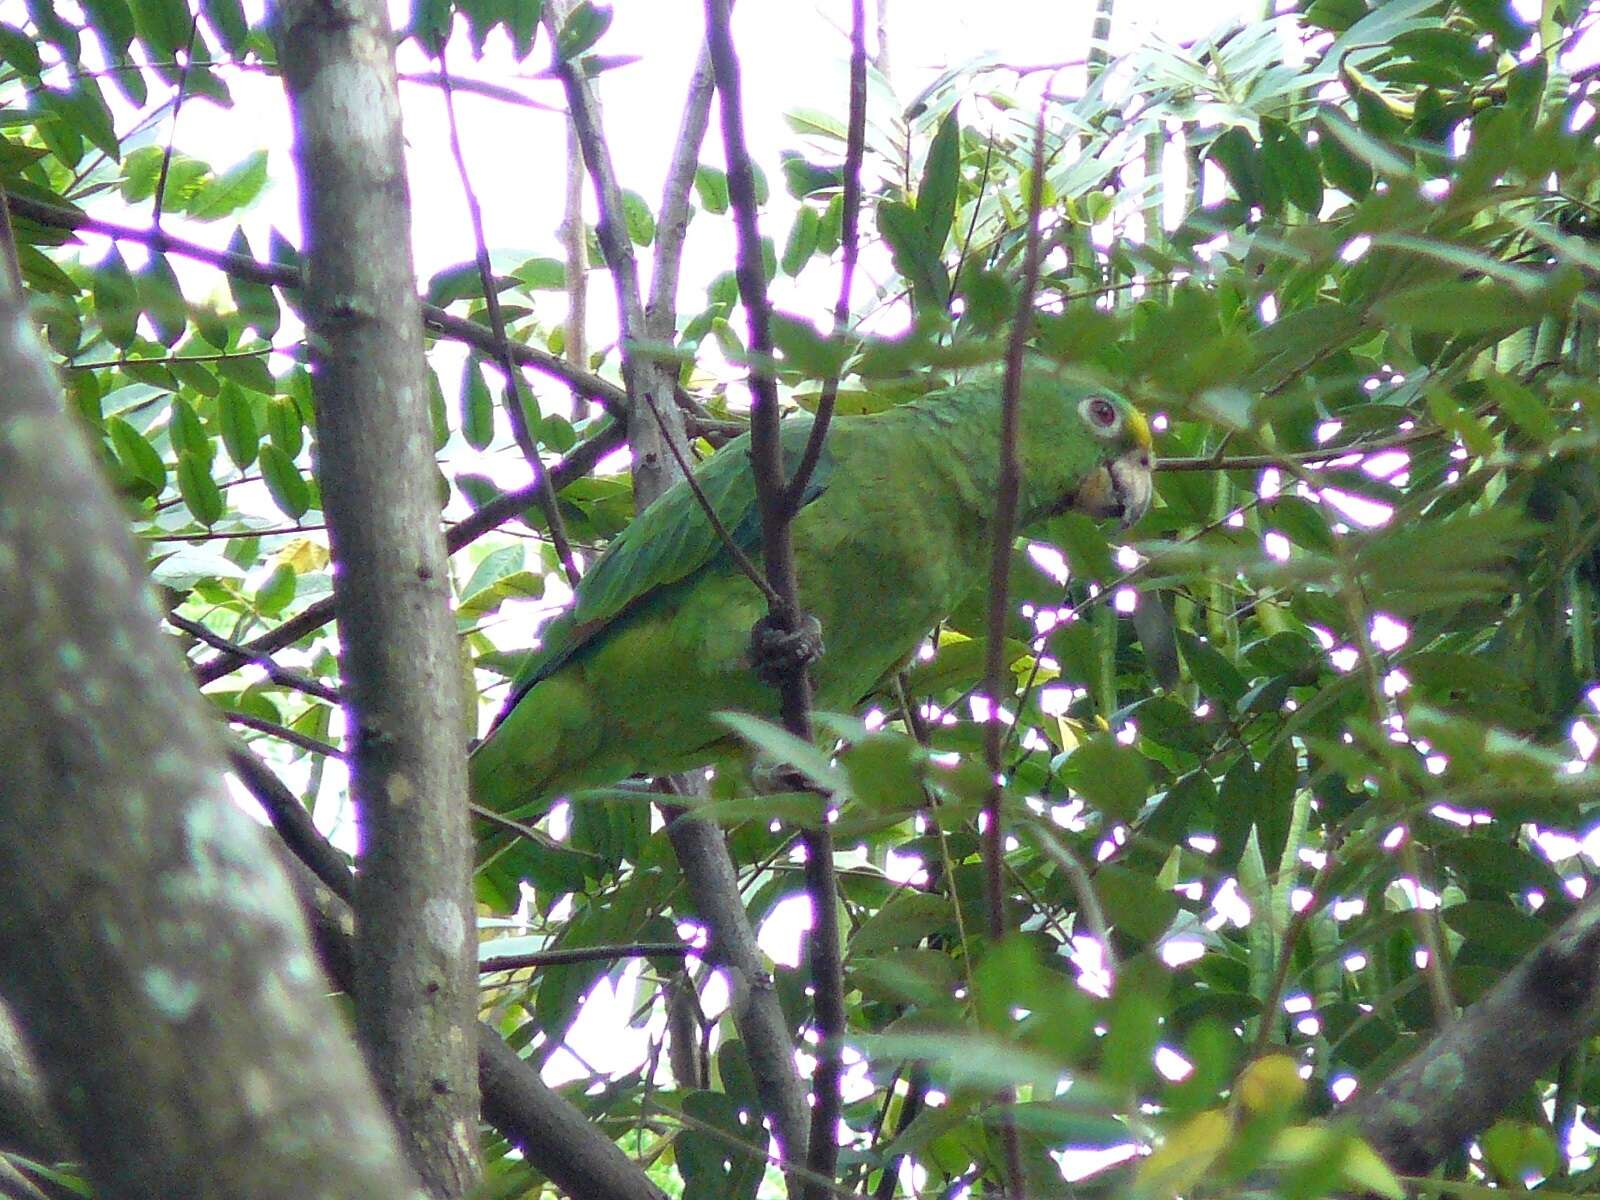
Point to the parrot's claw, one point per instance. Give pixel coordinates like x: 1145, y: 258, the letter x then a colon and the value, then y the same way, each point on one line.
x: 778, y: 779
x: 777, y: 653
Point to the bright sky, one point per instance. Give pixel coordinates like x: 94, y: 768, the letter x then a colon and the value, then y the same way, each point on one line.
x: 794, y: 56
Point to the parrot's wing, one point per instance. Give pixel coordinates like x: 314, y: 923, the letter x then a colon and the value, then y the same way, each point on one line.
x: 667, y: 542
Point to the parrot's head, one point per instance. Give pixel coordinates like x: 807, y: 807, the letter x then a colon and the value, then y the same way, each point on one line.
x: 1092, y: 445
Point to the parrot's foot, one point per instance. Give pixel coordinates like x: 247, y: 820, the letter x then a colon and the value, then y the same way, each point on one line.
x: 777, y: 653
x: 778, y: 779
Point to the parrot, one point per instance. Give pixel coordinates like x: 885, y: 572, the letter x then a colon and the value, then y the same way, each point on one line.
x: 891, y: 534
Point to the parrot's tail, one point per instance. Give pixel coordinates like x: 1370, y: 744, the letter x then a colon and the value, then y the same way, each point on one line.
x: 528, y: 760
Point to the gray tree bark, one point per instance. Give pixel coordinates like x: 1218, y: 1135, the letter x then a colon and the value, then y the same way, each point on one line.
x: 1484, y: 1061
x: 415, y: 971
x: 150, y: 946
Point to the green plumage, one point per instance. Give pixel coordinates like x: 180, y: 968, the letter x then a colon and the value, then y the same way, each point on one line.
x: 894, y: 533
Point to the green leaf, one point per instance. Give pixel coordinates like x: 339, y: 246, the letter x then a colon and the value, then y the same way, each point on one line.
x: 116, y: 299
x: 638, y: 218
x: 904, y: 920
x: 1235, y: 152
x: 288, y: 487
x: 711, y: 185
x: 987, y: 299
x: 803, y: 348
x: 781, y: 746
x: 1292, y: 165
x: 188, y: 434
x: 163, y: 25
x: 283, y: 425
x: 277, y: 590
x: 1134, y: 902
x: 802, y: 243
x: 542, y: 274
x: 1370, y: 149
x: 1216, y: 676
x: 1110, y: 776
x: 162, y: 299
x: 237, y: 418
x: 85, y: 111
x: 582, y: 29
x: 941, y: 178
x: 201, y: 495
x: 227, y: 20
x: 1515, y: 1150
x: 257, y: 302
x: 1501, y: 927
x: 137, y: 454
x: 113, y: 21
x: 235, y: 188
x: 913, y: 256
x: 477, y: 406
x: 19, y: 50
x: 461, y: 282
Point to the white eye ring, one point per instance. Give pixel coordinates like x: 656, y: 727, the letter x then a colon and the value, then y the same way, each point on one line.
x: 1100, y: 414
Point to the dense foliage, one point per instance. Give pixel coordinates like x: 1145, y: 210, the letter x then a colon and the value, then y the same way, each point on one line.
x: 1311, y: 746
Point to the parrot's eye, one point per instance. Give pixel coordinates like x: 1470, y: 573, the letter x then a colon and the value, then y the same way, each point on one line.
x: 1099, y: 412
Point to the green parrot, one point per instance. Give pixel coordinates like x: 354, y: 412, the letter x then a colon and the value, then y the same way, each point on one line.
x: 892, y: 535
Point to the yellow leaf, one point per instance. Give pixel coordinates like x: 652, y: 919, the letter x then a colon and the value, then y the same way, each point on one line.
x: 1360, y: 1168
x: 1180, y: 1161
x: 304, y: 555
x: 1365, y: 1170
x: 1270, y: 1084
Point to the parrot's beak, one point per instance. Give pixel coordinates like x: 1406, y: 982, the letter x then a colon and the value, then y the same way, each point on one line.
x: 1133, y: 483
x: 1119, y: 488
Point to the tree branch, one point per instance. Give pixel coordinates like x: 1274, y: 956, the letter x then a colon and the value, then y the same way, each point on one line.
x: 554, y: 1135
x: 850, y: 243
x: 578, y: 463
x: 416, y: 981
x: 154, y: 970
x: 282, y: 676
x: 502, y: 348
x: 1483, y: 1062
x: 602, y: 391
x: 642, y: 374
x: 784, y: 614
x: 701, y: 849
x: 563, y: 955
x: 1002, y: 533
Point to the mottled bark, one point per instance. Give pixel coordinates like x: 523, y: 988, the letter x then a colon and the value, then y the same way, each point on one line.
x: 415, y: 971
x: 150, y: 946
x: 1484, y: 1061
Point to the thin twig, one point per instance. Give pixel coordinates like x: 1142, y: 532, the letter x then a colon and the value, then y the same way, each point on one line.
x: 766, y: 455
x: 563, y: 956
x: 283, y: 733
x: 292, y: 821
x: 515, y: 413
x: 278, y: 674
x: 578, y: 463
x: 1002, y: 532
x: 241, y: 266
x: 735, y: 551
x: 158, y: 200
x: 1077, y: 875
x: 672, y: 221
x: 849, y: 240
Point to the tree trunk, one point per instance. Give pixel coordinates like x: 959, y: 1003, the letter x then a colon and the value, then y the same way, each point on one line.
x: 150, y: 946
x: 415, y: 977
